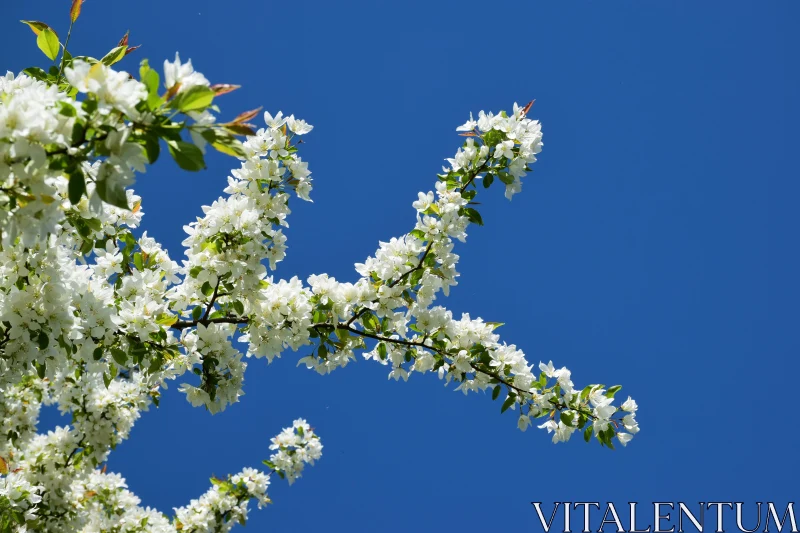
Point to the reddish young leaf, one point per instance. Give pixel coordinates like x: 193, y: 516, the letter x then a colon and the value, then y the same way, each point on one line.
x: 527, y: 107
x: 239, y: 128
x: 173, y: 91
x: 75, y: 10
x: 132, y: 49
x: 223, y: 88
x: 124, y: 40
x: 247, y: 115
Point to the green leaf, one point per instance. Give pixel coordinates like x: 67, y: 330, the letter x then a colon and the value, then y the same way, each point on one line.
x: 542, y: 380
x: 188, y: 156
x: 112, y: 193
x: 206, y: 245
x: 605, y: 437
x: 152, y: 147
x: 232, y: 148
x: 197, y: 312
x: 155, y: 365
x: 77, y: 186
x: 473, y: 216
x: 382, y: 352
x: 67, y: 110
x: 207, y: 289
x: 496, y: 392
x: 512, y: 398
x: 198, y: 97
x: 138, y: 261
x: 166, y: 319
x: 43, y: 340
x: 587, y: 433
x: 36, y: 72
x: 370, y: 322
x: 41, y: 369
x: 493, y: 137
x: 150, y: 79
x: 47, y: 41
x: 119, y: 356
x: 488, y: 180
x: 612, y: 391
x: 114, y: 56
x: 36, y: 26
x: 505, y: 177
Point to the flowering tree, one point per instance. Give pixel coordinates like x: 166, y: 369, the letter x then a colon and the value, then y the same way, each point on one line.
x: 96, y: 318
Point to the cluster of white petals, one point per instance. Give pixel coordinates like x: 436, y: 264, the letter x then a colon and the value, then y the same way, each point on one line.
x: 226, y: 502
x: 96, y: 318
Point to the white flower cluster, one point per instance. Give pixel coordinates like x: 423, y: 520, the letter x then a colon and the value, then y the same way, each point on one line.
x: 225, y: 251
x: 223, y: 381
x: 280, y: 318
x: 32, y: 116
x: 87, y: 309
x: 96, y: 320
x: 93, y: 500
x: 18, y: 497
x: 294, y: 447
x: 114, y: 90
x: 522, y: 140
x: 102, y: 502
x: 225, y: 503
x: 391, y: 303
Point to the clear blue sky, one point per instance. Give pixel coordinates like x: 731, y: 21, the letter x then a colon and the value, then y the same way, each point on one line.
x: 654, y: 245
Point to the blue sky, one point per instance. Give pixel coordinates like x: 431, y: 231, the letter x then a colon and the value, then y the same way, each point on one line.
x: 654, y: 245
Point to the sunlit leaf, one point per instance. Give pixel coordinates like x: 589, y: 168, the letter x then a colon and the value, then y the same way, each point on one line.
x: 47, y: 41
x: 196, y: 98
x: 37, y: 27
x: 114, y: 56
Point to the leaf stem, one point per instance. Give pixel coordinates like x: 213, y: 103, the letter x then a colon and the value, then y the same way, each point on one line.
x: 64, y: 55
